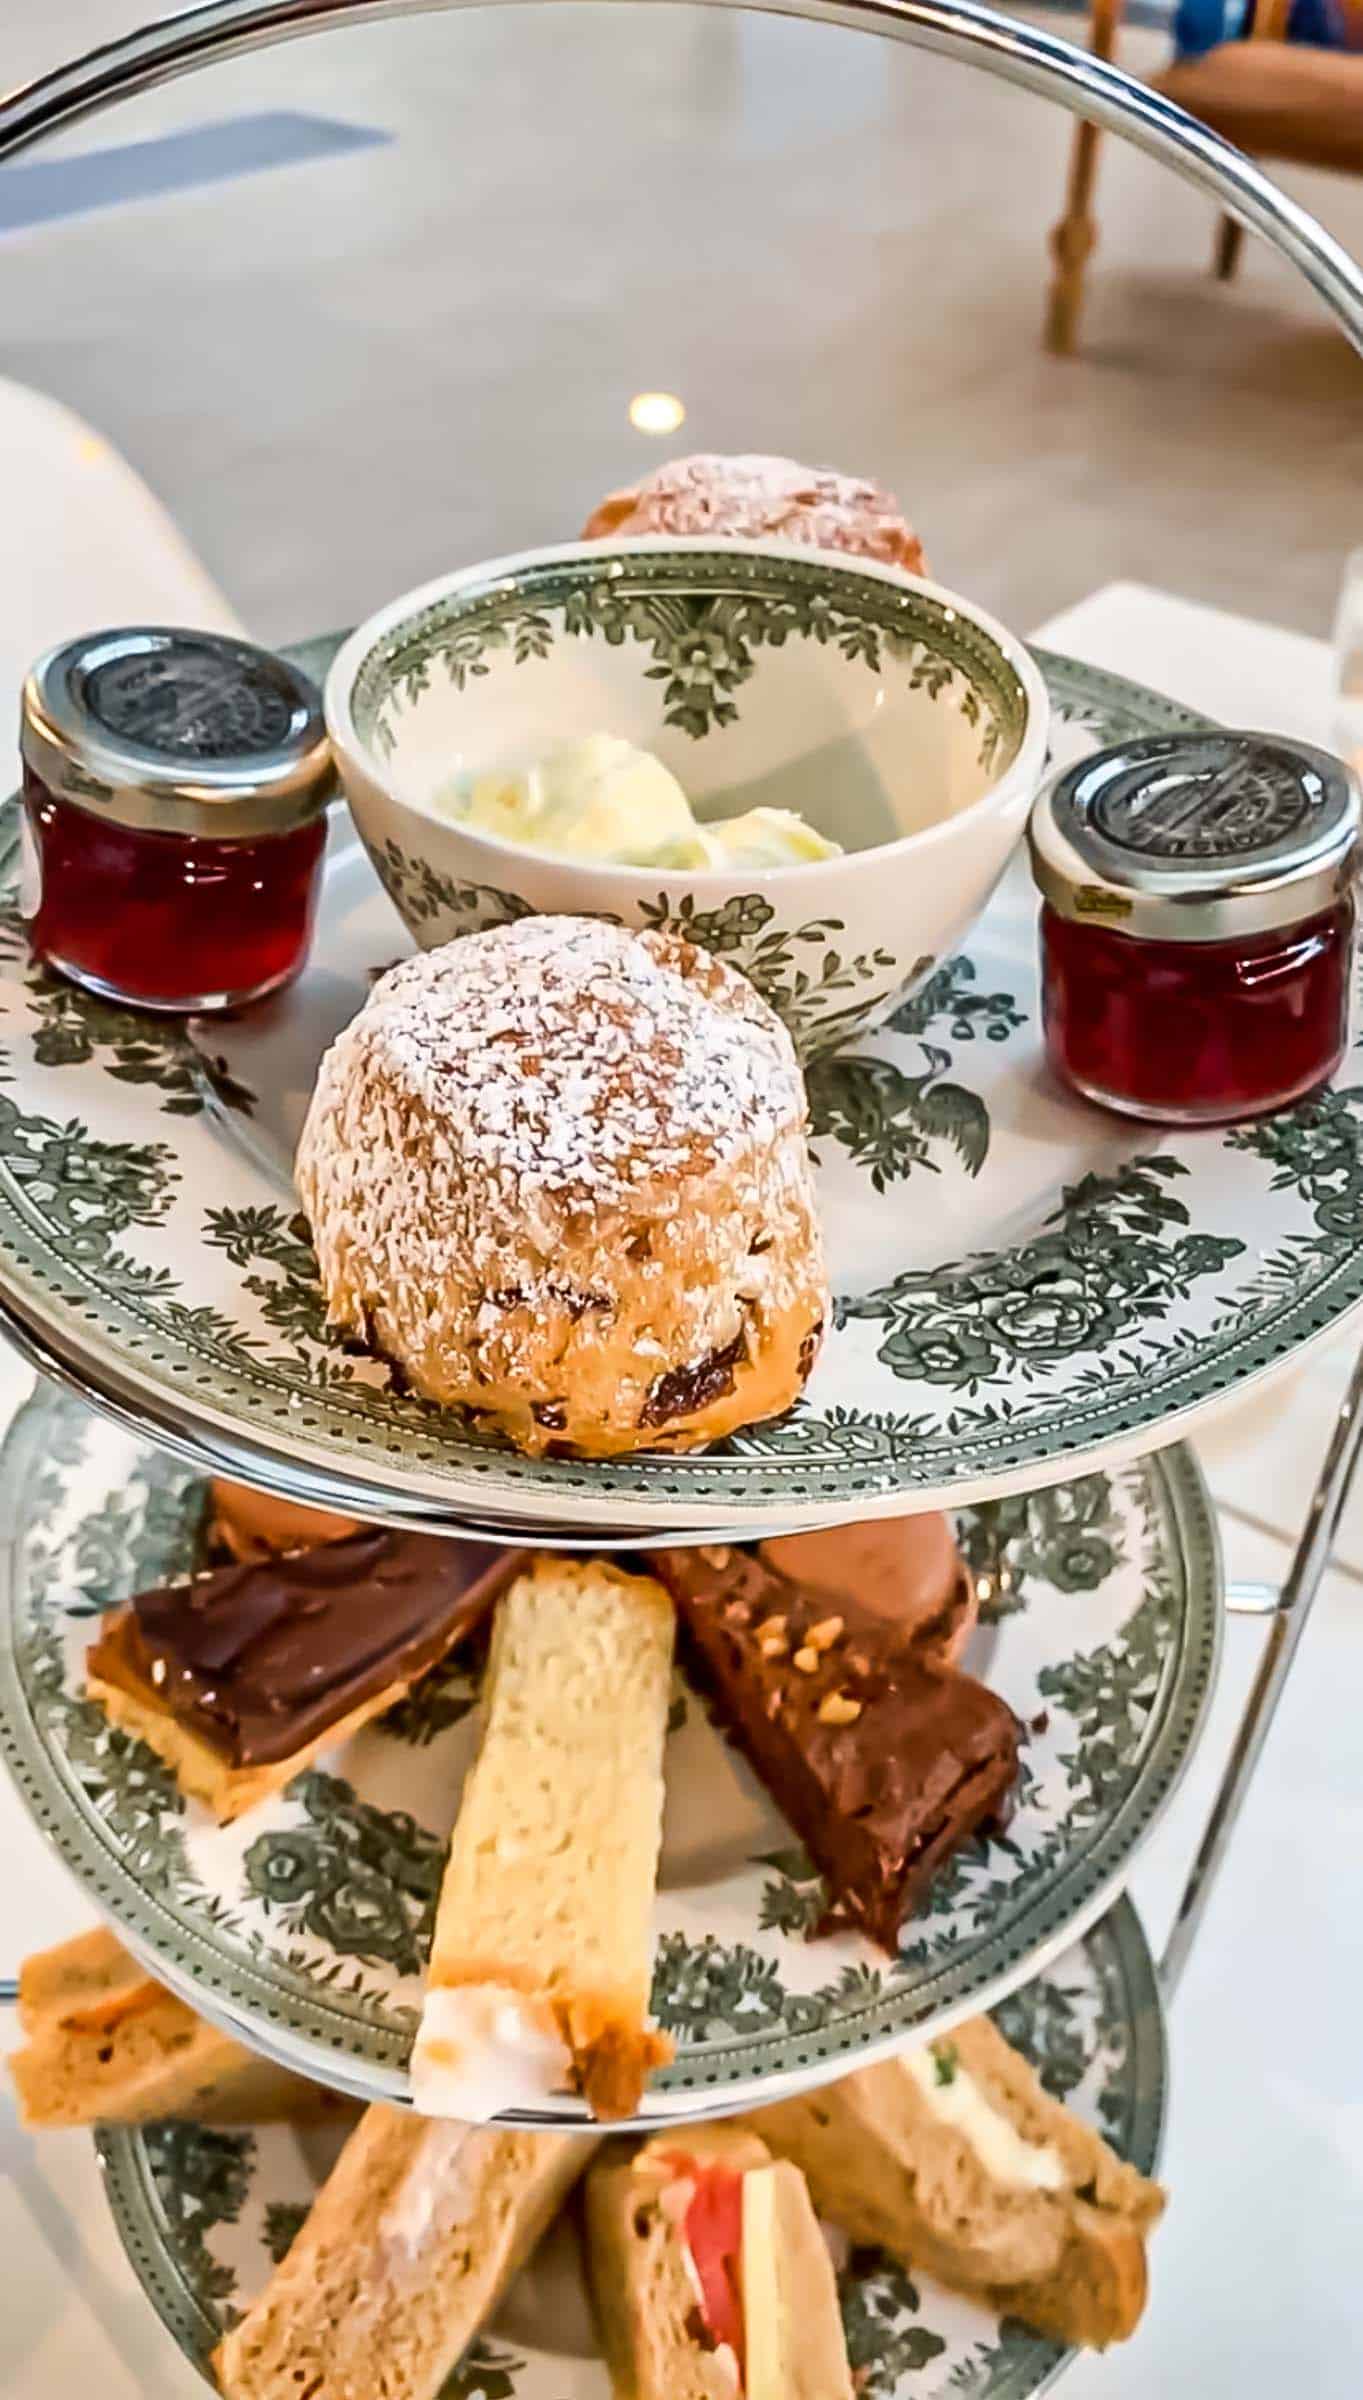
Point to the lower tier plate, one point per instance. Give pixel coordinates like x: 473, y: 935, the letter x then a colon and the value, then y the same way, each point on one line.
x: 204, y: 2214
x: 306, y: 1924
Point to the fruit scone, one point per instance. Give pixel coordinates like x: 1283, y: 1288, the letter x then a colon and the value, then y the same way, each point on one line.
x: 754, y: 496
x: 559, y: 1174
x: 541, y: 1962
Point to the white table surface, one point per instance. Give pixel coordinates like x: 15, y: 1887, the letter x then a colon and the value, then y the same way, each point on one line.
x: 1258, y: 2270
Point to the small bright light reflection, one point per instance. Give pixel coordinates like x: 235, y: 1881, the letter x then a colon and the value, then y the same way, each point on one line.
x: 656, y: 412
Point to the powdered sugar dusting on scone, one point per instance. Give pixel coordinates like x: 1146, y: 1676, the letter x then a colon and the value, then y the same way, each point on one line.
x: 549, y: 1166
x: 752, y: 496
x: 540, y: 1044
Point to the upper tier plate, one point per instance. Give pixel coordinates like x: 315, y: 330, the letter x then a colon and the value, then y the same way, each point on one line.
x: 204, y: 2215
x: 305, y: 1925
x: 1025, y: 1285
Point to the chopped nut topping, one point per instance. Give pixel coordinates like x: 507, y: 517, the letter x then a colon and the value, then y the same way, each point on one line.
x: 823, y: 1635
x: 807, y: 1660
x: 839, y: 1708
x: 739, y: 1611
x: 858, y: 1661
x: 772, y: 1644
x: 774, y: 1703
x: 717, y: 1557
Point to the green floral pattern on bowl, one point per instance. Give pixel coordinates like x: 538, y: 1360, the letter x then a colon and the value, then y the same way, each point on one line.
x: 761, y: 676
x: 702, y: 642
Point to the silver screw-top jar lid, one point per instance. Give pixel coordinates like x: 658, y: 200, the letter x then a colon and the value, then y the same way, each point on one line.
x: 1198, y: 837
x: 178, y: 732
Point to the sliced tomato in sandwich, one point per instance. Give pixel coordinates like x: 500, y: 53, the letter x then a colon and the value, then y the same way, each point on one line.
x: 712, y: 2230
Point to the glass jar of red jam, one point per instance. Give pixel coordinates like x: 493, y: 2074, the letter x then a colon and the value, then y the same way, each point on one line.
x: 1198, y: 923
x: 175, y: 788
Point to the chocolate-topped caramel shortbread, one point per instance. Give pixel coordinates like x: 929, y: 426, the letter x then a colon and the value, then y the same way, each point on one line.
x: 884, y: 1761
x: 237, y: 1677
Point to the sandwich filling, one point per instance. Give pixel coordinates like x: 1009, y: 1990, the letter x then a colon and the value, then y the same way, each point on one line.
x: 957, y: 2099
x: 704, y: 2202
x: 435, y: 2191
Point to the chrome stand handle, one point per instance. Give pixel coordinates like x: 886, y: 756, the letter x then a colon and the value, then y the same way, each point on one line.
x: 1088, y: 86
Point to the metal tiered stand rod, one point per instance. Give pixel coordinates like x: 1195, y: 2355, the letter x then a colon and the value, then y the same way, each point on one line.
x: 1290, y: 1609
x: 1091, y: 88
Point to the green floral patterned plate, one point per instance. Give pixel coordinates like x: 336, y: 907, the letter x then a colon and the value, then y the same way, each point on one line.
x: 307, y: 1922
x: 1024, y: 1285
x: 204, y: 2215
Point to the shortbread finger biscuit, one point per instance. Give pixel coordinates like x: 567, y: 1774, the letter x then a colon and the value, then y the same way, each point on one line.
x: 406, y: 2252
x: 540, y: 1967
x: 239, y: 1677
x: 107, y: 2045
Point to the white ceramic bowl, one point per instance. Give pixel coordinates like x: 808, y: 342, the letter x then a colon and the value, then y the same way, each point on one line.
x: 886, y: 710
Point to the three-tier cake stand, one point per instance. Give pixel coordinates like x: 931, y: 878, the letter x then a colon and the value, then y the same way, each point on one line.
x: 152, y: 1271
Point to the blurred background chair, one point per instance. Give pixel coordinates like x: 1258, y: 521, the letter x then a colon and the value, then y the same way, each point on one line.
x: 1275, y: 98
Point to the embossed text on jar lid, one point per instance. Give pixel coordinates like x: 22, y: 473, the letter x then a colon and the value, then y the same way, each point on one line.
x: 1198, y: 837
x: 177, y: 731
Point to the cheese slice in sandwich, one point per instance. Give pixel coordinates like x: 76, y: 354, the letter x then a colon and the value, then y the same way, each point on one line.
x: 710, y: 2275
x: 955, y: 2158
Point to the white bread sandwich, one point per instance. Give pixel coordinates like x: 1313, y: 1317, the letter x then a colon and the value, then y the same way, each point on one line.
x: 710, y: 2275
x: 540, y: 1968
x: 406, y: 2252
x: 106, y: 2045
x: 957, y: 2159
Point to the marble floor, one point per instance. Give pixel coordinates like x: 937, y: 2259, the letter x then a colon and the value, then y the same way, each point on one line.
x: 345, y: 375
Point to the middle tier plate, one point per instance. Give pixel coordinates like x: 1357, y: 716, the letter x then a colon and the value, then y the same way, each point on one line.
x: 305, y: 1924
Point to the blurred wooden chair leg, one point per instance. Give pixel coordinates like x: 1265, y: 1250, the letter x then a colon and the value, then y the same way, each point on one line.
x: 1230, y: 241
x: 1076, y: 234
x: 1072, y: 240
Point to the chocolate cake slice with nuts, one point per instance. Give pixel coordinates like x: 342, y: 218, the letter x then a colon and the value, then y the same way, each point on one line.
x: 883, y: 1762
